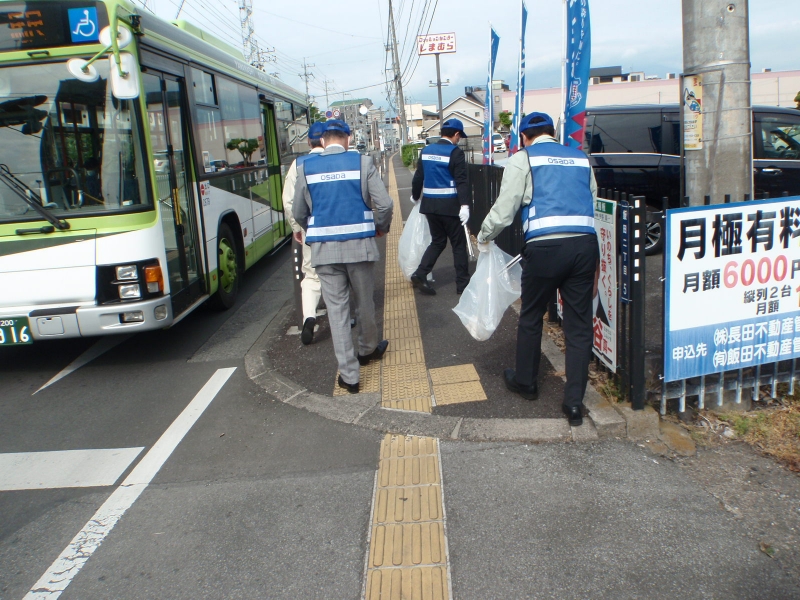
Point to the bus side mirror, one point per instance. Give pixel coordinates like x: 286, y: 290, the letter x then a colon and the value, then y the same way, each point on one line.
x: 124, y: 77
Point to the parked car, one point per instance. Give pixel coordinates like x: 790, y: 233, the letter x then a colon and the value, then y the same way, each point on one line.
x: 636, y: 149
x: 498, y: 143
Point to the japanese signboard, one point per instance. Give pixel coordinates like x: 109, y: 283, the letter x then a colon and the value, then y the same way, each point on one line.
x: 604, y: 293
x: 625, y: 253
x: 436, y: 43
x: 604, y: 302
x: 733, y: 287
x: 692, y: 112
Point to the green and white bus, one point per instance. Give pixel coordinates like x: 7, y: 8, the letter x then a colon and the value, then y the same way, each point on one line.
x: 140, y: 173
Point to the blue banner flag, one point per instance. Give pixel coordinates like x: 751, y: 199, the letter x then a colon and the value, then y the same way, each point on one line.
x: 579, y: 54
x: 488, y: 108
x: 519, y: 102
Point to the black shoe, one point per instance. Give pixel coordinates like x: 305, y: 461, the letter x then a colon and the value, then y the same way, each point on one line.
x: 575, y: 414
x: 350, y: 387
x: 307, y: 335
x: 422, y: 285
x: 529, y: 392
x: 376, y: 354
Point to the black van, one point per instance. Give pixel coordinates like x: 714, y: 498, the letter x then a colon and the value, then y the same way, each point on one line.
x: 636, y: 149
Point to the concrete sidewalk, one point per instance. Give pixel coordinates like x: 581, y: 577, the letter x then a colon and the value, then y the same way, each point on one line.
x: 459, y: 384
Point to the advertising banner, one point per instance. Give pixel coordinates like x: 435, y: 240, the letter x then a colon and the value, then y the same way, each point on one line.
x: 604, y: 302
x: 488, y: 116
x: 625, y: 254
x: 579, y: 55
x: 692, y: 112
x: 436, y: 43
x: 513, y: 146
x: 733, y: 287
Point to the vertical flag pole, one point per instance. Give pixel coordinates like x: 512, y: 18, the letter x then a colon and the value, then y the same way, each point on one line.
x: 490, y: 98
x: 564, y: 74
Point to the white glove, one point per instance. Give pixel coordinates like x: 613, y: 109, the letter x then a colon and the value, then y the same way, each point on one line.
x: 484, y: 246
x: 463, y: 214
x: 414, y: 202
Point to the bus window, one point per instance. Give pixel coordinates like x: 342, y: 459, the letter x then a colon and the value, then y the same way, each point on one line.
x: 69, y: 142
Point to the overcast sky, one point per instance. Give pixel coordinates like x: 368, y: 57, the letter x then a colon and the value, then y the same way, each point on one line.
x: 344, y: 40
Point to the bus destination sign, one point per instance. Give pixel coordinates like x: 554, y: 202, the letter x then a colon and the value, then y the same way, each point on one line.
x: 33, y: 25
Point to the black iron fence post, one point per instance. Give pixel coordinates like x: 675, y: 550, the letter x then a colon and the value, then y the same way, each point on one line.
x: 637, y: 347
x: 297, y: 275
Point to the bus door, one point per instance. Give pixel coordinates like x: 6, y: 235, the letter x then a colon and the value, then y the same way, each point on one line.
x: 280, y: 226
x: 166, y: 111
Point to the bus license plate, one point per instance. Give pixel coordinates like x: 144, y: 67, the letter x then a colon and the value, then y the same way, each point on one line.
x: 15, y: 331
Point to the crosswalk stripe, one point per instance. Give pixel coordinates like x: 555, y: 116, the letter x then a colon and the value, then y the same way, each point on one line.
x: 85, y: 543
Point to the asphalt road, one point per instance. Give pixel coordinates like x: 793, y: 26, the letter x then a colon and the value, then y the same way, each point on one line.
x: 240, y: 496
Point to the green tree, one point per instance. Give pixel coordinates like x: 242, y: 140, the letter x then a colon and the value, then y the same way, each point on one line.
x: 505, y: 119
x: 316, y: 115
x: 797, y: 99
x: 244, y: 147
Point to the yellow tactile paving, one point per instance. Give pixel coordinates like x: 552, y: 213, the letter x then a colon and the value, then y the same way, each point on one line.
x: 425, y: 583
x: 407, y: 555
x: 404, y: 379
x: 456, y: 374
x: 455, y: 393
x: 369, y: 380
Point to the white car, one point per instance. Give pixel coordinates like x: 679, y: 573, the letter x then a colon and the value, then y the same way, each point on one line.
x: 498, y: 143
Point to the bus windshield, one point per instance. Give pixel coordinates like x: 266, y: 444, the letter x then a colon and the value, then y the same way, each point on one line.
x: 67, y: 144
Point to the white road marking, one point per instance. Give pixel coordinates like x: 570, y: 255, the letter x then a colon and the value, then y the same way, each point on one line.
x: 88, y: 539
x: 101, y: 347
x: 64, y: 469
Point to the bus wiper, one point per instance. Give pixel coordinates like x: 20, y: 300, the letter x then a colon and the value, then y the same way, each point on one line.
x: 30, y: 197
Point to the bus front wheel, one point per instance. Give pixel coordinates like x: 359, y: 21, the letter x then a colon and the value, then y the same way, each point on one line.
x: 228, y: 272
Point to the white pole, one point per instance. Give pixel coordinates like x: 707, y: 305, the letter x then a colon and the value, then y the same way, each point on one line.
x: 490, y: 99
x: 564, y: 73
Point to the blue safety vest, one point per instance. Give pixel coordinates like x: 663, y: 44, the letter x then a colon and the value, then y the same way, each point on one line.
x: 438, y: 181
x: 304, y: 157
x: 338, y: 210
x: 562, y: 199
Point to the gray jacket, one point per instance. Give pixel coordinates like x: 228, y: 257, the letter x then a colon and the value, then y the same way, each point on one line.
x: 376, y: 197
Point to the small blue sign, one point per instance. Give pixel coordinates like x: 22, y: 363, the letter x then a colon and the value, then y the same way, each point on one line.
x: 83, y: 25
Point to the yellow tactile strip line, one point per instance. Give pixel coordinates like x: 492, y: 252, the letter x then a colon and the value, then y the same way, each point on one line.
x: 407, y: 556
x: 404, y: 378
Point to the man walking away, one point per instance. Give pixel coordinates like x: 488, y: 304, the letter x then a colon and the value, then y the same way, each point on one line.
x: 310, y: 286
x: 556, y: 188
x: 342, y: 204
x: 441, y: 181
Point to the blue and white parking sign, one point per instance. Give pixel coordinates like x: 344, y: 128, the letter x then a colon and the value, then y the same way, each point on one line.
x: 83, y: 25
x: 733, y: 287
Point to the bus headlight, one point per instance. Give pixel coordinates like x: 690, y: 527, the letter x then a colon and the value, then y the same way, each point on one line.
x: 127, y: 273
x: 154, y: 279
x: 130, y: 291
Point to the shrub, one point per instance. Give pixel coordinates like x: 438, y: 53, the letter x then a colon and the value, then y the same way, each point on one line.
x: 410, y: 152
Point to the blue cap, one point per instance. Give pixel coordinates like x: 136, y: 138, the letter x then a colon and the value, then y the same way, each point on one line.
x: 336, y: 125
x: 316, y: 130
x: 526, y: 121
x: 454, y: 124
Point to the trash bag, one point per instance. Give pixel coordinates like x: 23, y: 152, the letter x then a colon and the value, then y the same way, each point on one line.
x: 414, y: 240
x: 490, y: 291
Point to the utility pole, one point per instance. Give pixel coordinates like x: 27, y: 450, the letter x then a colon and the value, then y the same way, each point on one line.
x: 325, y: 83
x: 305, y: 75
x: 438, y: 85
x: 398, y: 79
x: 716, y: 60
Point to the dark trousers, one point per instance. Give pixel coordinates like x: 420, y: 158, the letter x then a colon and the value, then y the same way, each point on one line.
x: 567, y: 264
x: 443, y: 228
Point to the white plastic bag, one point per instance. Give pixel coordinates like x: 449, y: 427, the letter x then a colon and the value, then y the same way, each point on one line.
x: 490, y: 291
x: 414, y: 240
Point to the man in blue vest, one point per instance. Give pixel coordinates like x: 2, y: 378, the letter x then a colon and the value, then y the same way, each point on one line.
x: 310, y: 286
x: 341, y: 203
x: 555, y: 186
x: 441, y: 181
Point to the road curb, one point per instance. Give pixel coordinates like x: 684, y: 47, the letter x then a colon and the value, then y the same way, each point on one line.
x: 364, y: 410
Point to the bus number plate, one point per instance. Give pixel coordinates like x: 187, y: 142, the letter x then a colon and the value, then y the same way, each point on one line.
x: 15, y: 331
